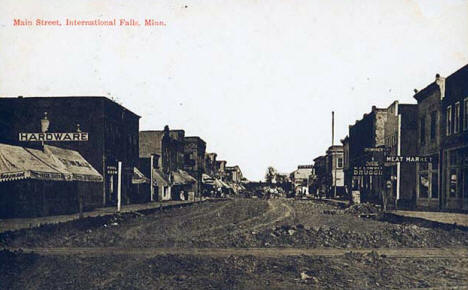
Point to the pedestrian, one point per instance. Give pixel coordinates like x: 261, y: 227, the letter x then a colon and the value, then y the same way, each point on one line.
x: 182, y: 195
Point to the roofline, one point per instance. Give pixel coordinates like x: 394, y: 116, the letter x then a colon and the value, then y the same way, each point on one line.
x: 91, y: 97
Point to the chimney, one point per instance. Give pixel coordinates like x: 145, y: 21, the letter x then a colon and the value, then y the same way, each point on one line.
x: 415, y: 91
x: 440, y: 81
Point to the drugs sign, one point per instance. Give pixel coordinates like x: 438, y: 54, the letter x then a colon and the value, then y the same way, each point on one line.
x: 368, y: 171
x: 54, y: 137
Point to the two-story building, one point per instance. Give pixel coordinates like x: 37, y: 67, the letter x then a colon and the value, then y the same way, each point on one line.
x: 112, y: 133
x: 334, y: 170
x: 401, y: 132
x: 366, y: 143
x: 428, y: 189
x: 454, y: 141
x: 194, y: 159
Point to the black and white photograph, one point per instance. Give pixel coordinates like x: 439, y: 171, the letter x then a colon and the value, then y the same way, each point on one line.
x: 237, y: 144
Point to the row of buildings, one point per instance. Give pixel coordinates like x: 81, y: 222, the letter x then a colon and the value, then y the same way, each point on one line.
x: 98, y: 135
x: 413, y: 155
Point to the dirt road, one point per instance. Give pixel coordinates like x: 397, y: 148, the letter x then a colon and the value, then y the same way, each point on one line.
x: 241, y: 243
x: 451, y: 253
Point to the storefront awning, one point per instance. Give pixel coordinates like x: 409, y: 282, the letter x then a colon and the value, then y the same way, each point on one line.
x: 206, y: 179
x: 159, y: 178
x: 75, y: 164
x: 52, y: 163
x: 138, y: 177
x: 181, y: 177
x: 223, y: 184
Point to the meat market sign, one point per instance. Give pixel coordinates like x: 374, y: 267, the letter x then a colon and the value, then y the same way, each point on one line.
x: 54, y: 137
x: 411, y: 159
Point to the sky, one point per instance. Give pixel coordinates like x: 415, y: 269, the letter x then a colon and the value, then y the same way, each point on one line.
x: 257, y: 80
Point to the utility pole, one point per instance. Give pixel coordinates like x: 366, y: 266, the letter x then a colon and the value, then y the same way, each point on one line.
x: 151, y: 179
x: 333, y: 155
x: 119, y: 186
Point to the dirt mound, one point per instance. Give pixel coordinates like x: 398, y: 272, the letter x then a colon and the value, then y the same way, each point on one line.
x: 362, y: 208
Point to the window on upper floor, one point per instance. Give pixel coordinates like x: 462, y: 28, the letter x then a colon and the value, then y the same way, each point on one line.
x: 456, y: 118
x: 422, y: 132
x: 433, y: 124
x: 339, y: 162
x: 465, y: 114
x: 449, y: 121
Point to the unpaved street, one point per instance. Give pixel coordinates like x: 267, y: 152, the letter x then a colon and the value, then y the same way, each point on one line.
x: 240, y: 243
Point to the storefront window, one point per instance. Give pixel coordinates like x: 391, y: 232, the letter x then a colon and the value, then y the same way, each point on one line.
x: 465, y: 183
x: 465, y: 114
x: 449, y: 121
x: 423, y: 185
x: 435, y: 185
x: 453, y: 183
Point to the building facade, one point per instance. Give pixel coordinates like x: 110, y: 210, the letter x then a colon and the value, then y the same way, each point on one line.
x: 365, y: 137
x: 454, y: 142
x: 347, y: 171
x: 210, y: 164
x: 112, y: 133
x: 301, y: 178
x: 428, y: 176
x: 334, y: 171
x: 401, y: 132
x: 194, y: 159
x: 320, y: 183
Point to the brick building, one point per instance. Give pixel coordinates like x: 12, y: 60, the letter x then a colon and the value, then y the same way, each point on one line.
x: 320, y: 169
x: 194, y: 158
x: 112, y: 133
x: 234, y: 174
x: 210, y: 164
x: 220, y: 169
x: 401, y: 131
x: 347, y: 171
x: 167, y: 150
x: 429, y: 143
x: 364, y: 135
x: 454, y: 141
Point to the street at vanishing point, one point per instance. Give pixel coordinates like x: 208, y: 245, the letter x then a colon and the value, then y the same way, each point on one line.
x: 236, y: 243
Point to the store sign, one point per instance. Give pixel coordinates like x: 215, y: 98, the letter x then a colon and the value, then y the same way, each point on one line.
x: 54, y: 137
x: 12, y: 175
x: 111, y: 170
x: 373, y: 163
x: 368, y: 170
x: 376, y: 149
x: 411, y: 159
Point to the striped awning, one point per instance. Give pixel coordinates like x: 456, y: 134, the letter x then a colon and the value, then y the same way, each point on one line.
x: 206, y: 179
x: 138, y: 177
x: 52, y: 163
x: 181, y: 177
x: 159, y: 178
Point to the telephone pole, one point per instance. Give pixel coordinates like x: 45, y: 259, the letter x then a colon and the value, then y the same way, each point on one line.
x: 333, y: 155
